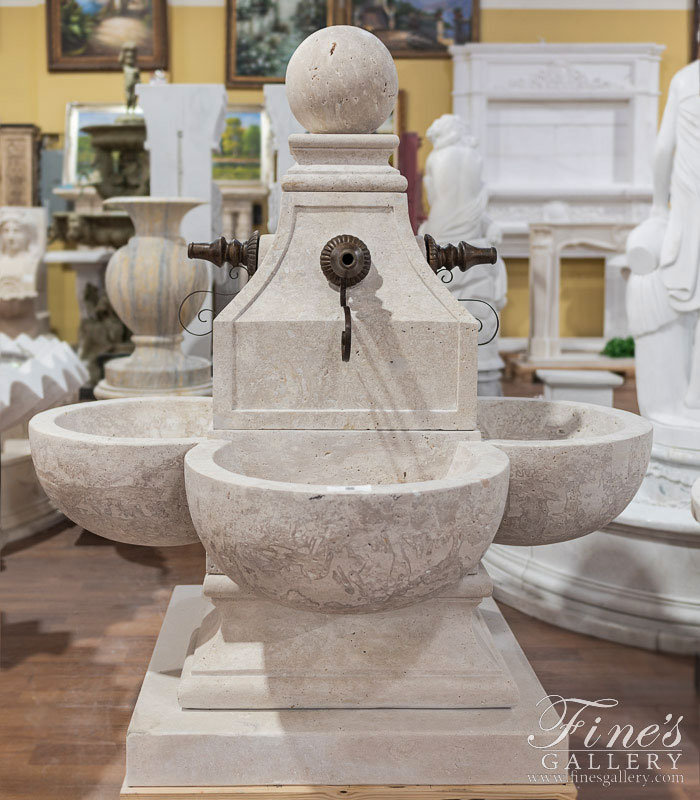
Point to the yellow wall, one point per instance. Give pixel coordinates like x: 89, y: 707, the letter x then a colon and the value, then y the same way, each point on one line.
x: 29, y: 93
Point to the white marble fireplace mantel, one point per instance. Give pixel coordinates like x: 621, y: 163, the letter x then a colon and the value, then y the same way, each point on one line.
x: 569, y: 124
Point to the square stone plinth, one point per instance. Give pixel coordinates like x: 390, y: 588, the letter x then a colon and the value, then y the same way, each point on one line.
x: 171, y: 746
x: 251, y: 653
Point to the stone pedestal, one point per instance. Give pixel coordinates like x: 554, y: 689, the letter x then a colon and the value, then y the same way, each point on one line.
x: 169, y: 746
x: 583, y: 386
x: 255, y: 653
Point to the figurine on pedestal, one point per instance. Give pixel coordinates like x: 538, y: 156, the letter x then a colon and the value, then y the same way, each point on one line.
x: 132, y: 74
x: 22, y: 243
x: 458, y: 199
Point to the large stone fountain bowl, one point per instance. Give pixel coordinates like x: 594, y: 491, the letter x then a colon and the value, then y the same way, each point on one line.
x: 115, y: 467
x: 343, y: 522
x: 574, y: 466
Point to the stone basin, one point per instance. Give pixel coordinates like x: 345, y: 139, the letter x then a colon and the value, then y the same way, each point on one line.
x: 115, y: 467
x: 346, y: 521
x: 574, y: 466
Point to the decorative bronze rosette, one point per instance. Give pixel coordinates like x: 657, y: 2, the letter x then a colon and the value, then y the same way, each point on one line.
x: 345, y: 259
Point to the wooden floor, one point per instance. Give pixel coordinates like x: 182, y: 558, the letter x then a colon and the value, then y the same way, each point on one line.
x: 80, y: 616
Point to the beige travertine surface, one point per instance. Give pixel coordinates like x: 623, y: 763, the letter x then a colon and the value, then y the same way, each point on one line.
x: 255, y: 653
x: 169, y: 746
x: 574, y: 466
x: 277, y: 344
x: 115, y: 467
x: 322, y: 522
x: 341, y: 80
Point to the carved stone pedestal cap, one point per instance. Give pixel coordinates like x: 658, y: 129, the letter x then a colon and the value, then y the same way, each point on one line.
x: 341, y: 79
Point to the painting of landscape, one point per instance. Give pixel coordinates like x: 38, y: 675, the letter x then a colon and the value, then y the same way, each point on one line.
x: 263, y: 34
x: 89, y: 34
x: 240, y: 148
x: 415, y: 28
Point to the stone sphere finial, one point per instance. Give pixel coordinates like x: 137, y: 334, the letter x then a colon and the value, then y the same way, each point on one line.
x: 341, y: 79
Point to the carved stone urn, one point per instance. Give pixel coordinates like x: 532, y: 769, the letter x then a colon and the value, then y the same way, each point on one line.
x: 147, y: 280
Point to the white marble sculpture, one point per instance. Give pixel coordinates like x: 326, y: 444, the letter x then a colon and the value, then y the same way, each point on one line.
x: 458, y: 198
x: 22, y: 245
x: 35, y: 374
x: 341, y: 492
x: 663, y: 300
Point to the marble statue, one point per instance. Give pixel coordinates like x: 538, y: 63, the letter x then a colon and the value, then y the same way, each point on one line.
x: 458, y: 198
x: 132, y: 74
x: 22, y: 243
x: 663, y: 296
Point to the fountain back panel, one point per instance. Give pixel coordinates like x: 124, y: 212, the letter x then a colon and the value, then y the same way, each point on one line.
x: 411, y: 363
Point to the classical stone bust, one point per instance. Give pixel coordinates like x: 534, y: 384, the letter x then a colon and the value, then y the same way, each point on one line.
x: 19, y: 253
x: 22, y: 243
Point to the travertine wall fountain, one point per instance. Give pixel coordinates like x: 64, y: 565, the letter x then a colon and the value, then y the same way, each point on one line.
x: 344, y: 634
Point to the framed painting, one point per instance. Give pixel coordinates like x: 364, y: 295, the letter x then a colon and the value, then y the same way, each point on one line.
x: 78, y: 155
x: 261, y: 36
x: 242, y: 154
x: 419, y: 28
x: 89, y: 34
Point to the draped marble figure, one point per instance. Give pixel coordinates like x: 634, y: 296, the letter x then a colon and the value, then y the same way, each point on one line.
x: 458, y: 198
x: 663, y: 295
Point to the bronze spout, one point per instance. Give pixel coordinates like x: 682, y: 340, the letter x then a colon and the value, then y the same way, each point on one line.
x: 463, y: 255
x: 235, y: 253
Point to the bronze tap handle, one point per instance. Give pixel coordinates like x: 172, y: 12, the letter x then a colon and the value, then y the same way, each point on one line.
x: 235, y: 253
x: 463, y: 255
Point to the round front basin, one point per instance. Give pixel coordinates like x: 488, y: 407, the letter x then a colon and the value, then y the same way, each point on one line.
x: 574, y: 466
x: 115, y: 467
x: 343, y: 522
